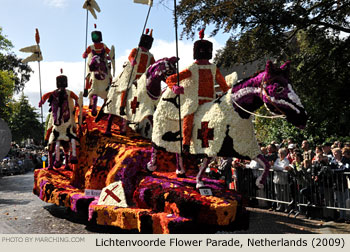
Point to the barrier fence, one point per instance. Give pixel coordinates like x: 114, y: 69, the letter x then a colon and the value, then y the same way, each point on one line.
x: 319, y: 192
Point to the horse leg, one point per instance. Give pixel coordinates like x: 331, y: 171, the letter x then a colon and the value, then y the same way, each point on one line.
x: 122, y: 103
x: 57, y: 162
x: 50, y: 159
x: 65, y: 146
x: 123, y: 127
x: 260, y: 181
x: 109, y: 125
x: 90, y: 103
x: 150, y: 119
x: 180, y: 170
x: 151, y: 165
x: 94, y: 105
x: 73, y: 157
x: 202, y: 167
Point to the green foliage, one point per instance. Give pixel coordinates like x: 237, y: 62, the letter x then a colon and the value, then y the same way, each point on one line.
x: 20, y: 115
x: 305, y: 32
x: 24, y: 121
x: 5, y: 44
x: 6, y: 93
x: 10, y: 63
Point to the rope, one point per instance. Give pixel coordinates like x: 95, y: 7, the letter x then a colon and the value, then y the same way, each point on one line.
x: 257, y: 115
x: 268, y: 97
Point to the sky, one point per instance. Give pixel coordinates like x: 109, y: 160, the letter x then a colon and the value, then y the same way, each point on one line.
x: 62, y: 29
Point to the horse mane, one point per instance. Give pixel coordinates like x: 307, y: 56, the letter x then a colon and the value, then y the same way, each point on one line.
x: 247, y: 78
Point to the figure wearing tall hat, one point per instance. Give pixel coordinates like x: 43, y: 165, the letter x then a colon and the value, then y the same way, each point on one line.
x: 98, y: 78
x: 138, y: 61
x: 61, y: 130
x: 196, y: 85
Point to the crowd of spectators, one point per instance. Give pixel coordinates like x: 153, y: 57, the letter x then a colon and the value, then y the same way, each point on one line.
x: 320, y: 175
x: 20, y: 160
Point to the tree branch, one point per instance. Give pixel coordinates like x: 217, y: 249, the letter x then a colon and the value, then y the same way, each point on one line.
x: 333, y: 26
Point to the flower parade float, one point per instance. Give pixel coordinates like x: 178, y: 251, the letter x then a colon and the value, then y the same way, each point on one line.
x: 152, y: 185
x: 132, y: 198
x: 148, y: 203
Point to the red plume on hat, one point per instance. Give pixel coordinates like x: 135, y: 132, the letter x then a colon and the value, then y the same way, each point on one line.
x: 61, y: 80
x: 146, y: 40
x: 96, y: 36
x: 201, y: 33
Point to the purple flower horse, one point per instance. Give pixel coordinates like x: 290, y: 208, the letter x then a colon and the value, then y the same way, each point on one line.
x: 143, y: 97
x: 224, y: 126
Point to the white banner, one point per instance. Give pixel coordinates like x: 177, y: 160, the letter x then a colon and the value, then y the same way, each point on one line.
x: 175, y: 242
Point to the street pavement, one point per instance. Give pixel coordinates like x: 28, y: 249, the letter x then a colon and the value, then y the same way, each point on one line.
x: 22, y: 212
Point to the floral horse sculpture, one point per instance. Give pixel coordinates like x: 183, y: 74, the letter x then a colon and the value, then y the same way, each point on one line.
x: 142, y: 98
x: 223, y: 127
x: 61, y: 126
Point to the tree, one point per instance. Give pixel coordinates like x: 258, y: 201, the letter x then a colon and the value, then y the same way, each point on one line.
x: 20, y: 115
x: 6, y: 92
x: 20, y: 72
x: 24, y: 122
x: 306, y: 32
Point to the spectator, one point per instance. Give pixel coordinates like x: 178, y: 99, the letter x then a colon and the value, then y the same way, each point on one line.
x: 338, y: 144
x: 295, y: 180
x: 264, y: 150
x: 319, y: 158
x: 308, y: 154
x: 340, y: 182
x: 280, y: 178
x: 291, y: 148
x: 346, y: 156
x: 327, y: 150
x: 272, y: 154
x: 297, y: 163
x: 337, y: 158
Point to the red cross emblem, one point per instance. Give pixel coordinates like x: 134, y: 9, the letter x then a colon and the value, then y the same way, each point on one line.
x: 134, y: 105
x: 111, y: 193
x: 205, y: 134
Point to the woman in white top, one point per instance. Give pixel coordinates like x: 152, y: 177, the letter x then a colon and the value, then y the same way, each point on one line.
x: 280, y: 178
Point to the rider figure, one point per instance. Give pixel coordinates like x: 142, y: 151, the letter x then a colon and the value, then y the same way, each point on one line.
x: 197, y: 82
x: 96, y: 49
x: 140, y: 59
x: 61, y: 125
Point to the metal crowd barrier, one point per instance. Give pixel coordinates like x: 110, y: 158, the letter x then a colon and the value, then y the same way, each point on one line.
x: 318, y: 191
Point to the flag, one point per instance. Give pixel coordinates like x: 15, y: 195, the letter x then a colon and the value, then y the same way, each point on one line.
x: 91, y: 5
x: 34, y: 49
x: 149, y: 2
x: 36, y: 53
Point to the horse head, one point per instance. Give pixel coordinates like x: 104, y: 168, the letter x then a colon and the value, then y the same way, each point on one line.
x: 278, y: 95
x: 158, y: 72
x: 99, y: 67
